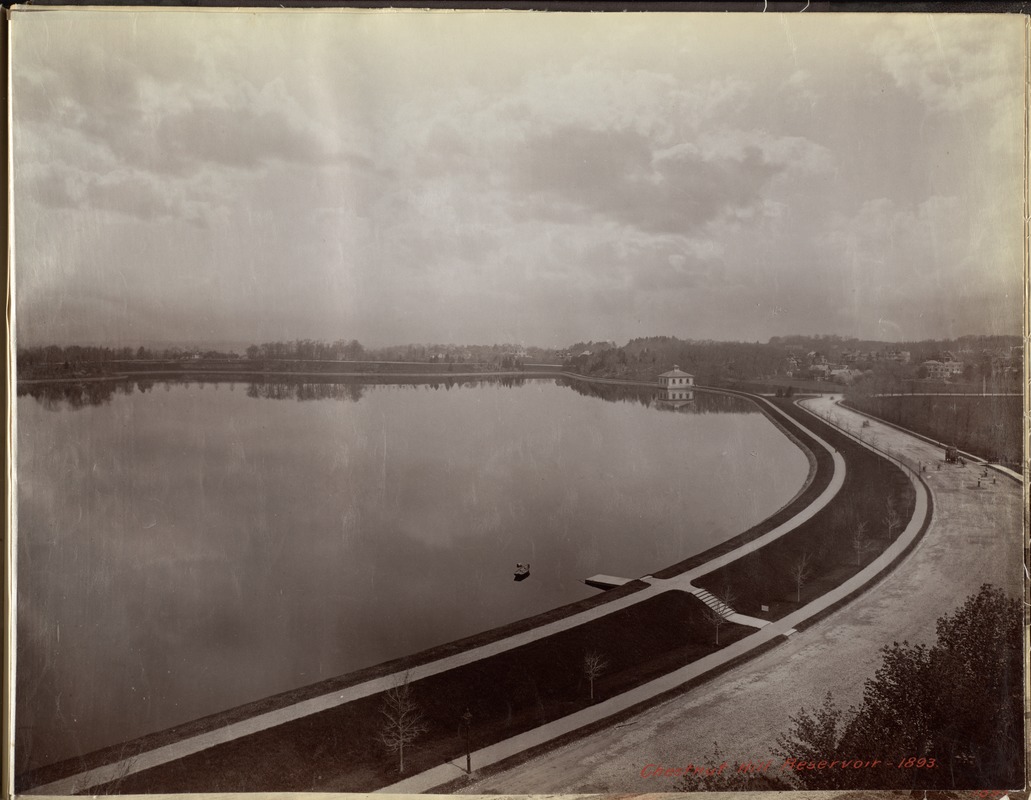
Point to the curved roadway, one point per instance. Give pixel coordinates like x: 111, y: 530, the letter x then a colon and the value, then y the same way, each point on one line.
x: 974, y: 537
x: 541, y: 735
x: 203, y: 741
x: 434, y: 778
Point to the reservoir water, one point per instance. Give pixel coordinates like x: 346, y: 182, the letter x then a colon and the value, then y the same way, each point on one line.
x: 184, y: 548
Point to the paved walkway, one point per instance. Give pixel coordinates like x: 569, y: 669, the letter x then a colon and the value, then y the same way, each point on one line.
x: 974, y: 537
x: 972, y: 456
x: 433, y: 778
x: 195, y: 744
x: 949, y: 394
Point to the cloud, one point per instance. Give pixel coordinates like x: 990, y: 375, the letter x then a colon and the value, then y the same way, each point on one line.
x: 49, y: 189
x: 128, y: 193
x: 156, y: 103
x: 657, y: 104
x: 676, y: 272
x: 388, y: 174
x: 934, y: 257
x: 241, y: 137
x: 620, y: 175
x: 792, y: 154
x: 132, y: 195
x: 951, y: 65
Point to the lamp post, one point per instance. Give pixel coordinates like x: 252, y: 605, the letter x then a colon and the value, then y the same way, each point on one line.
x: 467, y: 718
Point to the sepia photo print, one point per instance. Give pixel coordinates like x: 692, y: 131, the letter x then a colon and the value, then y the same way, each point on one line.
x: 516, y: 402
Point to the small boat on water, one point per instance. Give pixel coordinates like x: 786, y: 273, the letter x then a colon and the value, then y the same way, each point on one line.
x: 522, y: 572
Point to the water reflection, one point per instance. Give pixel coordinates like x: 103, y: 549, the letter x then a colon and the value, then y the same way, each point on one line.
x: 73, y: 395
x: 682, y: 400
x: 675, y: 399
x: 58, y: 395
x: 185, y: 548
x: 289, y: 390
x: 81, y: 394
x: 613, y: 392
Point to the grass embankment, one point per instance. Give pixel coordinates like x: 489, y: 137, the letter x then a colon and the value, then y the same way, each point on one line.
x: 520, y: 689
x: 127, y: 750
x: 829, y: 540
x: 506, y: 694
x: 991, y: 427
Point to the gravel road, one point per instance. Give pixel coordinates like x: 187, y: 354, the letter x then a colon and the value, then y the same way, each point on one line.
x: 974, y: 538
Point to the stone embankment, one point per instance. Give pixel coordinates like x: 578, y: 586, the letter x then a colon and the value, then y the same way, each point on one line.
x: 974, y: 537
x: 727, y: 660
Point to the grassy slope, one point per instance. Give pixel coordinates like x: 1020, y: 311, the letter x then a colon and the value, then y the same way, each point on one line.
x: 57, y: 770
x: 988, y: 426
x: 764, y: 577
x: 506, y: 694
x: 520, y: 689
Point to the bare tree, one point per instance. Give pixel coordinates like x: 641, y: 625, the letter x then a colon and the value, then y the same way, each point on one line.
x: 403, y: 720
x: 721, y: 611
x: 800, y: 572
x: 594, y: 665
x: 859, y: 541
x: 892, y: 520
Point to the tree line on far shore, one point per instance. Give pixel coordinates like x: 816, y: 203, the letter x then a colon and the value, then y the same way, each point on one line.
x: 85, y: 360
x: 781, y: 359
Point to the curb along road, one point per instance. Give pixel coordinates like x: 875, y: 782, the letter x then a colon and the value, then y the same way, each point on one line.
x: 818, y: 608
x: 505, y: 749
x: 197, y: 743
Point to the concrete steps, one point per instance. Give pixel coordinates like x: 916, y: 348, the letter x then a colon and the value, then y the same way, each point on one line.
x: 714, y: 603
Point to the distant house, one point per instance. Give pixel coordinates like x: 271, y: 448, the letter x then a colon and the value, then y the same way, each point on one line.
x: 675, y: 378
x: 941, y: 370
x: 899, y: 356
x: 844, y: 374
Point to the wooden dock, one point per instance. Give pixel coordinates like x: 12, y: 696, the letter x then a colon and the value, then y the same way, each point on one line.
x: 606, y: 581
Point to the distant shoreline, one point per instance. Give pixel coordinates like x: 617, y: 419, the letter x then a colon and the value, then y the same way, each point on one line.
x: 247, y: 375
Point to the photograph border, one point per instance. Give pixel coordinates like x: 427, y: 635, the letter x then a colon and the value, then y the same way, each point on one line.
x: 272, y: 6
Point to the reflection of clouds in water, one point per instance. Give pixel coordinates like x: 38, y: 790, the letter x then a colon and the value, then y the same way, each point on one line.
x: 260, y: 543
x: 569, y: 505
x: 351, y: 524
x: 489, y: 520
x: 588, y: 558
x: 668, y: 547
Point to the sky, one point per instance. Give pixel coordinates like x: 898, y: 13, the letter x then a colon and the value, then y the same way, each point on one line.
x: 534, y: 178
